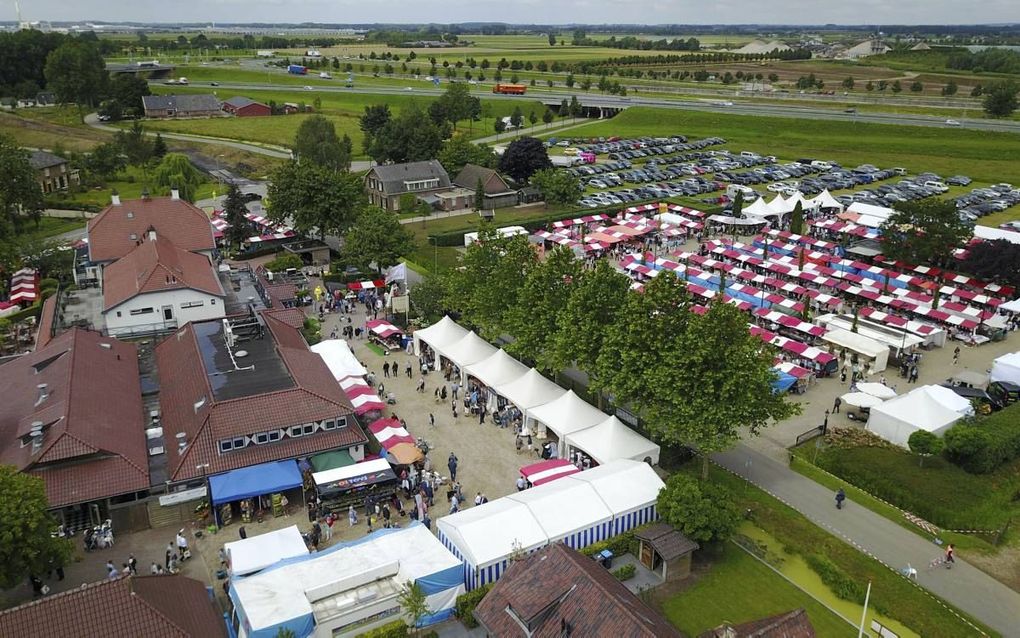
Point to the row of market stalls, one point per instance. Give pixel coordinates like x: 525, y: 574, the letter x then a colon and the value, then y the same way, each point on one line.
x: 548, y: 409
x: 578, y: 510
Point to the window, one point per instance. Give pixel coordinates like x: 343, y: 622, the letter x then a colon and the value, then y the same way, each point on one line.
x: 421, y: 184
x: 142, y: 311
x: 329, y: 425
x: 274, y: 435
x: 239, y: 443
x: 341, y: 422
x: 226, y: 446
x: 261, y: 437
x: 309, y: 428
x: 212, y: 302
x: 118, y: 313
x: 192, y: 304
x: 295, y: 431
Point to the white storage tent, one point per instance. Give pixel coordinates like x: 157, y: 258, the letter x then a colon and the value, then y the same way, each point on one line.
x: 339, y: 359
x: 529, y: 391
x: 498, y: 369
x: 991, y: 234
x: 611, y: 440
x: 566, y: 415
x: 438, y: 336
x: 825, y: 200
x: 896, y: 419
x: 759, y: 208
x: 948, y: 399
x: 255, y: 553
x: 568, y: 511
x: 870, y: 210
x: 629, y: 488
x: 875, y: 354
x: 470, y: 349
x: 1006, y: 368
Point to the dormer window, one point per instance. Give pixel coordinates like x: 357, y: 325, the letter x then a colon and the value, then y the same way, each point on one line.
x: 133, y: 237
x: 130, y: 215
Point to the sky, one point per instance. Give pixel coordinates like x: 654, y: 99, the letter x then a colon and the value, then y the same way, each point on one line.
x: 874, y: 12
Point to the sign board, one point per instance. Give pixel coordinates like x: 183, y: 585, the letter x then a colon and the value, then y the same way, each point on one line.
x: 176, y: 498
x: 401, y: 303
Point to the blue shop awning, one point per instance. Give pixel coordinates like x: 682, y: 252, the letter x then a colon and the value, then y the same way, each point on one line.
x: 783, y: 382
x: 256, y: 480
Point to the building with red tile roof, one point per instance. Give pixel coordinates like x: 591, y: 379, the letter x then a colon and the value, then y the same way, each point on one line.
x: 116, y: 231
x: 247, y: 390
x: 556, y: 592
x: 792, y: 624
x: 158, y: 282
x: 72, y: 415
x: 153, y: 606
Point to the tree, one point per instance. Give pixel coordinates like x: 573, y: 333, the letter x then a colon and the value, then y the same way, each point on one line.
x: 314, y: 199
x: 428, y: 297
x: 896, y: 86
x: 950, y: 88
x: 552, y: 39
x: 374, y: 119
x: 517, y: 117
x: 559, y: 188
x: 916, y: 87
x: 924, y: 232
x: 76, y: 73
x: 500, y: 126
x: 240, y: 229
x: 111, y: 109
x: 532, y: 118
x: 378, y: 237
x: 548, y: 116
x: 523, y: 157
x: 490, y: 278
x: 104, y: 162
x: 702, y: 511
x: 459, y: 151
x: 1001, y: 99
x: 576, y: 110
x: 738, y: 204
x: 543, y: 297
x: 455, y: 104
x: 175, y: 171
x: 924, y: 443
x: 870, y: 86
x: 128, y: 89
x: 25, y: 527
x: 316, y: 142
x: 797, y: 219
x: 997, y: 260
x: 135, y: 145
x: 414, y: 602
x: 20, y: 195
x: 848, y: 83
x: 479, y: 195
x: 410, y: 137
x: 159, y: 149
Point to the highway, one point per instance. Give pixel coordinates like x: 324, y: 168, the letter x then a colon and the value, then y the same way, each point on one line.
x: 613, y: 101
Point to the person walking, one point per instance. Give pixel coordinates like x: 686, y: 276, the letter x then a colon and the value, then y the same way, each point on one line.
x: 352, y: 516
x: 521, y: 484
x: 453, y: 406
x: 386, y: 370
x: 182, y: 545
x: 956, y: 355
x: 840, y: 497
x: 835, y: 405
x: 170, y: 553
x: 132, y: 564
x: 407, y: 370
x: 432, y: 420
x: 421, y: 385
x: 950, y: 553
x: 451, y: 463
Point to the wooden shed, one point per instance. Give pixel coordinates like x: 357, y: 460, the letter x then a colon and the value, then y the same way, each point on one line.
x: 665, y: 551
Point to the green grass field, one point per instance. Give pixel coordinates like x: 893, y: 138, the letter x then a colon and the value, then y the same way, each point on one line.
x: 739, y: 589
x: 51, y: 227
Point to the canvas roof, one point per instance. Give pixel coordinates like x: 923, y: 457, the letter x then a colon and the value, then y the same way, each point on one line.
x: 530, y: 390
x: 611, y: 440
x: 562, y: 507
x: 442, y: 334
x: 339, y: 359
x: 825, y: 200
x: 470, y: 349
x: 623, y: 485
x: 896, y: 419
x: 487, y: 533
x: 255, y: 553
x: 855, y: 341
x: 498, y: 369
x: 567, y: 414
x: 1006, y: 368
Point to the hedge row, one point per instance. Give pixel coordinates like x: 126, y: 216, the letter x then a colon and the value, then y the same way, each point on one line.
x: 32, y: 311
x: 395, y: 629
x: 836, y: 579
x: 466, y: 604
x: 982, y: 445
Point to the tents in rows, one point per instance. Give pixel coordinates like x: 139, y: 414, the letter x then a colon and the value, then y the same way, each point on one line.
x: 498, y: 369
x: 529, y: 391
x: 439, y: 336
x: 610, y: 440
x: 469, y: 349
x: 566, y: 415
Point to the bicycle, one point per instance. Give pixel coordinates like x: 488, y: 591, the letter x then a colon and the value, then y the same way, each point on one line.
x: 939, y: 562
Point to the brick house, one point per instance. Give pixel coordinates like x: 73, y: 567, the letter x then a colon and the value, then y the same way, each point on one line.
x: 163, y: 106
x: 241, y: 106
x: 385, y: 184
x: 53, y: 172
x: 498, y: 193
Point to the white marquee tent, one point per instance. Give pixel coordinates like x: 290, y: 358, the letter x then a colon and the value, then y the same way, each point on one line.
x: 629, y: 488
x: 611, y: 440
x: 566, y: 415
x: 339, y: 359
x: 778, y: 204
x: 825, y: 200
x: 498, y: 369
x: 529, y: 391
x: 896, y: 419
x: 568, y: 511
x: 875, y: 354
x: 759, y: 208
x: 439, y: 336
x: 470, y: 349
x: 255, y: 553
x: 1006, y: 368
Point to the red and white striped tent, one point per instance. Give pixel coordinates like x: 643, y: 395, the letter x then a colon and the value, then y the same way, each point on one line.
x: 587, y: 219
x: 401, y: 448
x: 383, y: 329
x: 362, y: 396
x: 790, y: 322
x: 366, y: 285
x: 547, y: 471
x: 24, y: 286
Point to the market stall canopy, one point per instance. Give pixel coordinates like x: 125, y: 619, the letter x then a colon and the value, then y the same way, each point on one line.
x: 825, y: 200
x: 612, y: 440
x: 564, y: 508
x: 394, y: 438
x: 254, y: 480
x: 330, y: 460
x: 439, y: 335
x: 339, y: 358
x: 488, y: 533
x: 529, y: 391
x: 498, y: 369
x: 759, y: 208
x: 361, y: 395
x: 895, y: 420
x: 948, y: 399
x: 255, y: 553
x: 567, y: 414
x: 1006, y: 368
x: 353, y: 476
x: 383, y: 329
x: 546, y: 471
x: 470, y: 349
x: 877, y: 390
x: 860, y: 400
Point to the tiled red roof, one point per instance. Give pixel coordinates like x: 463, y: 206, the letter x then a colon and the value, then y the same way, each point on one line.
x: 152, y: 606
x: 557, y: 585
x: 93, y: 443
x: 793, y: 624
x: 47, y: 316
x: 293, y: 317
x: 155, y: 266
x: 110, y: 232
x: 317, y: 396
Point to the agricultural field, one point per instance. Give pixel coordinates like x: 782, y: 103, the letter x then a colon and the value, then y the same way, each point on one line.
x: 50, y: 128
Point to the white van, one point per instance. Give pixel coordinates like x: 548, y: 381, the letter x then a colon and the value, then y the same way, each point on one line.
x: 750, y: 155
x: 939, y: 186
x: 733, y: 189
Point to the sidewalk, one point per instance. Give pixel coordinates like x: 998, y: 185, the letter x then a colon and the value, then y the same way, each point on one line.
x: 966, y: 587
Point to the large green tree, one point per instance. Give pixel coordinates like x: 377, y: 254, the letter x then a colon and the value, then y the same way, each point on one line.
x: 135, y: 145
x: 240, y: 229
x: 456, y: 104
x: 544, y: 296
x: 414, y: 602
x: 428, y: 297
x: 523, y: 158
x: 129, y: 89
x: 20, y: 196
x: 27, y: 547
x: 175, y: 171
x: 316, y: 142
x: 702, y: 511
x: 378, y: 237
x: 103, y: 162
x: 314, y: 199
x: 559, y: 188
x: 924, y: 232
x: 997, y: 260
x: 375, y: 118
x: 1000, y: 99
x: 76, y: 73
x: 459, y: 150
x: 412, y: 136
x: 797, y: 219
x: 489, y: 281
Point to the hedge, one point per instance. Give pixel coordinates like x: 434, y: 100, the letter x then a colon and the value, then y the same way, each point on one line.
x: 836, y: 579
x: 395, y: 629
x: 626, y: 572
x: 625, y: 543
x: 32, y: 311
x: 466, y: 604
x: 981, y: 445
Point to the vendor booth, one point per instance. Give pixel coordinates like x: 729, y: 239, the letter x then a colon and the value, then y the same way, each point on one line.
x: 339, y: 359
x: 385, y: 334
x: 565, y: 415
x: 873, y: 356
x: 498, y: 369
x: 396, y: 441
x: 438, y: 336
x: 344, y: 486
x: 348, y: 589
x: 247, y: 484
x: 529, y: 391
x: 610, y: 440
x: 570, y: 512
x: 921, y: 409
x: 630, y: 489
x: 362, y: 397
x: 255, y: 553
x: 547, y: 471
x: 470, y: 349
x: 1006, y: 368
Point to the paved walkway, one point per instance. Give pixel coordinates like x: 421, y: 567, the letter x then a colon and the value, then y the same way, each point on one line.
x: 966, y: 587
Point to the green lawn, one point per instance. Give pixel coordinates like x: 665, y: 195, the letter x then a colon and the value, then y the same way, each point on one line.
x: 51, y: 227
x: 129, y: 184
x: 983, y: 155
x: 738, y: 589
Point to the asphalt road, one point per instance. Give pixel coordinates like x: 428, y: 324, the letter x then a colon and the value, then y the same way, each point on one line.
x: 613, y: 101
x: 964, y: 586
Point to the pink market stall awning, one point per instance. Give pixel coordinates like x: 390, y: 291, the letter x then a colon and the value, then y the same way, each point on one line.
x: 383, y: 329
x: 366, y: 285
x: 362, y: 396
x: 546, y: 471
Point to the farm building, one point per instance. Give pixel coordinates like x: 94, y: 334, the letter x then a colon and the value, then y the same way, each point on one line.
x: 202, y: 105
x: 246, y: 107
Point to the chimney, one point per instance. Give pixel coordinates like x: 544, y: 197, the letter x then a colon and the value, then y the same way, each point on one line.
x: 43, y: 393
x: 151, y: 232
x: 175, y: 194
x: 115, y: 198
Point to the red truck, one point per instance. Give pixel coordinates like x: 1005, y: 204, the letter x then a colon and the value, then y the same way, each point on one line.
x: 510, y: 89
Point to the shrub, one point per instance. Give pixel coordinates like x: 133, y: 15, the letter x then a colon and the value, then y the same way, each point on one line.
x: 625, y: 573
x: 395, y: 629
x: 836, y: 579
x: 48, y: 282
x: 979, y: 446
x: 284, y: 261
x: 466, y: 603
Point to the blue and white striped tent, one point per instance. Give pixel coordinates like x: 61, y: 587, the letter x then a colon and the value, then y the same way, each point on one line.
x: 577, y: 510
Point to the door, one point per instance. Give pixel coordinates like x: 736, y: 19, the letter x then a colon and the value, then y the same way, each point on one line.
x: 95, y: 518
x: 168, y: 313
